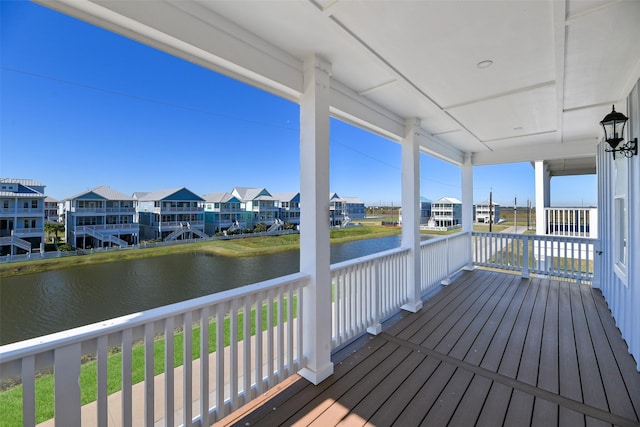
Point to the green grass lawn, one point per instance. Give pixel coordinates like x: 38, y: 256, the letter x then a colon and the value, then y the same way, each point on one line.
x: 11, y: 399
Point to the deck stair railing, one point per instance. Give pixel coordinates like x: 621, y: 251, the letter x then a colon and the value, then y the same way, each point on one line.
x: 106, y: 238
x: 15, y: 241
x: 564, y: 257
x: 185, y: 229
x: 249, y: 363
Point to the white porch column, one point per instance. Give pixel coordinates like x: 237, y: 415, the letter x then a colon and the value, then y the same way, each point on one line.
x: 543, y: 197
x: 467, y: 204
x: 314, y: 221
x: 411, y: 212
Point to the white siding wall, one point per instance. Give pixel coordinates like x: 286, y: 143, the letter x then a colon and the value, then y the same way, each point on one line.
x: 622, y: 292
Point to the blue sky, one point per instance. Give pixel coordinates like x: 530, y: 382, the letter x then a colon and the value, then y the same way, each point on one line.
x: 82, y: 107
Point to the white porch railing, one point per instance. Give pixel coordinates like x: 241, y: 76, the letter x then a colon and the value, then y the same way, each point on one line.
x: 227, y: 379
x: 441, y: 257
x: 564, y: 257
x: 578, y: 222
x: 365, y: 291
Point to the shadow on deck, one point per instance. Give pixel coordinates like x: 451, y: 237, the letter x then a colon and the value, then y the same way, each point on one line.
x: 490, y: 349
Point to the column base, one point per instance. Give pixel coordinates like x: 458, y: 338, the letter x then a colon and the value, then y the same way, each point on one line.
x: 316, y: 377
x: 375, y: 329
x: 412, y: 307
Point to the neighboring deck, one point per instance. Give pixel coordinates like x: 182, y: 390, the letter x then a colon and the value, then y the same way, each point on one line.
x: 490, y: 349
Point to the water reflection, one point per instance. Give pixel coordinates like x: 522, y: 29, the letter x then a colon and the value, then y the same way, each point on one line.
x: 43, y: 303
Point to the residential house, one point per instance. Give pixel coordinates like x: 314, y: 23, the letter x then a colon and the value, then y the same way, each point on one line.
x: 289, y: 204
x: 484, y: 210
x: 21, y: 215
x: 100, y: 217
x: 51, y: 207
x: 171, y: 214
x: 425, y: 210
x: 446, y: 212
x: 354, y: 207
x: 258, y: 205
x: 222, y: 212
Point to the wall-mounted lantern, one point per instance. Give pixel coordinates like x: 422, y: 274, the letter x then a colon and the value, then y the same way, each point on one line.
x: 613, y: 125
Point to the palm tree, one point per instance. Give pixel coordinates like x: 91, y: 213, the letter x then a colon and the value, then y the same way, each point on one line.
x: 55, y: 228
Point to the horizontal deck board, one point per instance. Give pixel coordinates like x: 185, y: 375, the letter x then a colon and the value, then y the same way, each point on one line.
x: 489, y: 349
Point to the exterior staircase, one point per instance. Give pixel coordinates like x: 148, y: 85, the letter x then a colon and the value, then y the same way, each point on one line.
x: 234, y: 227
x: 106, y: 237
x: 182, y: 231
x: 15, y: 241
x: 277, y: 225
x: 345, y: 221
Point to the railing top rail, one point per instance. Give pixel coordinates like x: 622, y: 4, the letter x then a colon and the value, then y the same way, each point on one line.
x: 441, y: 238
x: 372, y: 257
x: 18, y: 350
x: 546, y: 237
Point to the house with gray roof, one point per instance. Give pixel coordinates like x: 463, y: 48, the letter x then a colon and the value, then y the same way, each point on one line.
x: 21, y: 215
x: 342, y: 210
x: 258, y: 205
x: 171, y: 214
x: 222, y: 212
x: 289, y: 204
x: 100, y: 217
x: 446, y: 212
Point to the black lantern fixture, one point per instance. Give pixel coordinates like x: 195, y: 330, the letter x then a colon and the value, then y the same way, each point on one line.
x: 613, y: 125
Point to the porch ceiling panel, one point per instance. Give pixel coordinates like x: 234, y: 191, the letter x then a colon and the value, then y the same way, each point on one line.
x: 602, y: 61
x: 437, y: 44
x: 558, y: 65
x: 526, y: 112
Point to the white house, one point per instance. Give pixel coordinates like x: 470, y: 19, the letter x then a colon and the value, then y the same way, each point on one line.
x: 100, y: 217
x: 446, y: 212
x: 485, y: 210
x: 22, y: 215
x: 51, y: 206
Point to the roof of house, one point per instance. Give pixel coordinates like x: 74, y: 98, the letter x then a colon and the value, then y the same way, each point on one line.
x: 353, y: 200
x: 177, y: 194
x: 219, y: 197
x: 425, y: 200
x: 451, y: 200
x: 50, y: 199
x: 486, y: 203
x: 25, y: 182
x: 249, y: 193
x: 103, y: 192
x: 139, y: 194
x: 287, y: 197
x: 23, y: 191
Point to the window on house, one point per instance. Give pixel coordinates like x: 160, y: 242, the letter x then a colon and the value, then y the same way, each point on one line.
x: 34, y: 204
x: 621, y: 232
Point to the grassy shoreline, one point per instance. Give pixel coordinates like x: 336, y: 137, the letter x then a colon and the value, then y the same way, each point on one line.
x: 249, y: 246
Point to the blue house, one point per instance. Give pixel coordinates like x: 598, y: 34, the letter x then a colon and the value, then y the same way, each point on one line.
x: 222, y: 212
x: 176, y: 213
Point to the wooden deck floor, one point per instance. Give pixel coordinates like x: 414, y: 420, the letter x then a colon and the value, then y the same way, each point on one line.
x: 490, y: 349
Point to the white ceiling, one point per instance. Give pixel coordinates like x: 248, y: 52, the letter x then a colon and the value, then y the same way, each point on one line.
x: 557, y: 65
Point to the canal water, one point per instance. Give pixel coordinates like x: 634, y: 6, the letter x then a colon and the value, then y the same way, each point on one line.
x: 38, y: 304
